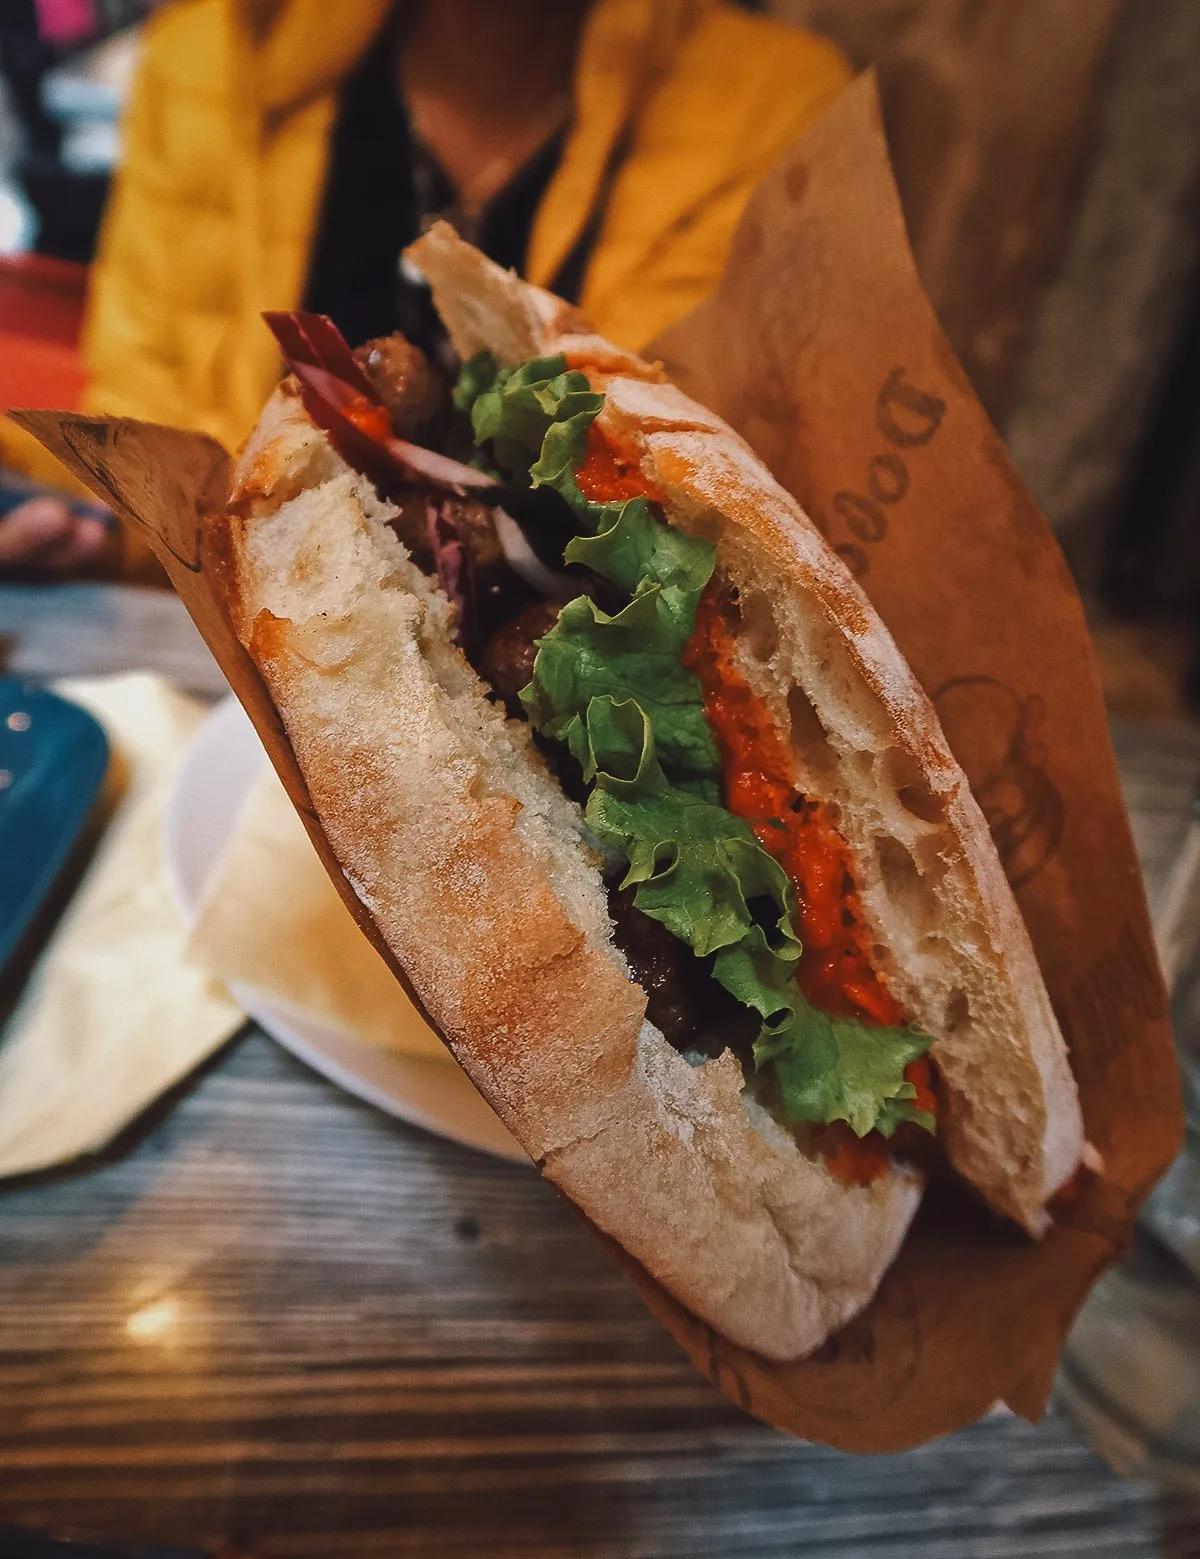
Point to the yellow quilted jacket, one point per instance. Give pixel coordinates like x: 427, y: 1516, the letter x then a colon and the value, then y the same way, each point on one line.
x: 680, y: 107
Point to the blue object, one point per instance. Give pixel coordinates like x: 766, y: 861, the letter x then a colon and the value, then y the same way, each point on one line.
x: 53, y: 758
x: 15, y: 490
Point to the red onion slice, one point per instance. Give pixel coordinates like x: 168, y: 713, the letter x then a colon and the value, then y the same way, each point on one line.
x: 332, y: 383
x: 439, y: 469
x: 524, y: 561
x: 455, y: 569
x: 314, y: 339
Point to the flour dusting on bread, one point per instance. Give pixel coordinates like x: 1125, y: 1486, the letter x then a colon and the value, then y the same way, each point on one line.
x: 483, y: 880
x: 866, y: 739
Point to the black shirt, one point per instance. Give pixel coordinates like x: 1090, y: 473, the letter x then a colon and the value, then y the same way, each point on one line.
x: 383, y: 187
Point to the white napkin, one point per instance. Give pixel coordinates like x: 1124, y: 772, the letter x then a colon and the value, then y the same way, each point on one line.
x: 272, y: 920
x: 112, y: 1015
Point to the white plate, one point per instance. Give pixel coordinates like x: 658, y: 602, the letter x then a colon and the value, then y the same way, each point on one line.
x: 213, y: 782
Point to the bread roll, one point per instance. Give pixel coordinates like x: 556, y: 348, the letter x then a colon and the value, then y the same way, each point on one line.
x: 480, y: 876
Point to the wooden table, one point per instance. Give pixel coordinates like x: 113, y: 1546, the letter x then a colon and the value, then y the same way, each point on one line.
x: 273, y: 1321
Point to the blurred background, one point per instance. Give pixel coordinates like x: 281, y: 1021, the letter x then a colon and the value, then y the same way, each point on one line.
x: 1050, y: 168
x: 1049, y: 163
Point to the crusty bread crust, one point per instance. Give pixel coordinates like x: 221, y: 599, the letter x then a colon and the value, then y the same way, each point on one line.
x: 865, y: 738
x: 480, y: 878
x: 475, y: 868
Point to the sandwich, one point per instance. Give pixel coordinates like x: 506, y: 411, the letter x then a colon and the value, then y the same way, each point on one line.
x: 645, y: 803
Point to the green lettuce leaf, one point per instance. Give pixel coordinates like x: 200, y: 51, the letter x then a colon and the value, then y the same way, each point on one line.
x: 835, y: 1069
x: 698, y: 869
x: 900, y: 1112
x: 475, y: 376
x: 632, y: 655
x: 701, y: 872
x: 563, y: 450
x: 761, y: 974
x: 539, y: 412
x: 614, y: 690
x: 634, y: 551
x: 825, y: 1068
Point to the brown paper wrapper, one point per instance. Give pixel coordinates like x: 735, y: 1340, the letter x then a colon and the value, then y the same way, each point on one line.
x: 821, y: 349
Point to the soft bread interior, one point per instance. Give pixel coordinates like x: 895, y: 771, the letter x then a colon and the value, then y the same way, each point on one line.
x: 477, y: 872
x: 949, y: 938
x: 866, y: 738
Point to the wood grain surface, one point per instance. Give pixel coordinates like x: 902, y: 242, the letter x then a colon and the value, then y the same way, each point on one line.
x: 279, y: 1323
x: 70, y: 629
x: 272, y: 1321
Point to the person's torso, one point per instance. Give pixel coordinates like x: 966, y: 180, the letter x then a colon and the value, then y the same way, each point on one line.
x: 678, y: 108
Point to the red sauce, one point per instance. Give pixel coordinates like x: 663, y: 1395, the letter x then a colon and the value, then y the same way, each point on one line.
x: 607, y: 476
x: 835, y: 970
x: 373, y: 420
